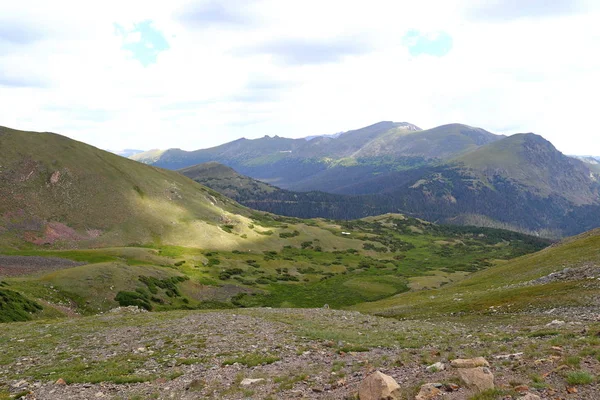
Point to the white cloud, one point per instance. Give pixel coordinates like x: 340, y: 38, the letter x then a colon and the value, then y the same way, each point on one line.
x: 64, y: 70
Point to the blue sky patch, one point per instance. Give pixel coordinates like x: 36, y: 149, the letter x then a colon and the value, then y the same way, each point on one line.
x: 144, y: 42
x: 433, y: 44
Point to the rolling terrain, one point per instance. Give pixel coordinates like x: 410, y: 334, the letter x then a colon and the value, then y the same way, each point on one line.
x: 256, y: 305
x: 535, y: 319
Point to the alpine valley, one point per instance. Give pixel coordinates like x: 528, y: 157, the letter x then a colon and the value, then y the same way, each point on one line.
x: 123, y: 280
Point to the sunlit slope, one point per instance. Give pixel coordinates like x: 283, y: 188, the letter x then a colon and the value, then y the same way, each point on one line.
x: 517, y: 285
x: 58, y: 192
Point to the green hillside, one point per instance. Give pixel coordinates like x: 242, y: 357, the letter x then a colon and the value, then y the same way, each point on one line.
x: 563, y: 276
x: 58, y: 192
x: 226, y: 181
x: 316, y: 262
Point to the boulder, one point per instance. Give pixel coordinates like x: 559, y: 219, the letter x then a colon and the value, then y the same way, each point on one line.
x: 430, y: 391
x: 480, y: 378
x: 470, y: 362
x: 379, y: 386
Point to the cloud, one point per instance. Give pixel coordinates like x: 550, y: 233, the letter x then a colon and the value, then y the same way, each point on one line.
x: 295, y: 69
x: 144, y: 42
x: 214, y: 13
x: 436, y: 44
x: 506, y: 10
x: 311, y: 51
x: 20, y: 79
x: 18, y: 33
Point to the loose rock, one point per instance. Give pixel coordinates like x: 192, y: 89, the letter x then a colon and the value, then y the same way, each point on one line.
x: 429, y: 391
x: 470, y: 362
x: 379, y: 386
x: 480, y: 378
x: 530, y: 396
x: 248, y: 381
x: 438, y: 366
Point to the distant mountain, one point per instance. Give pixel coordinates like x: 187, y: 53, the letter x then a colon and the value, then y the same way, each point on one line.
x: 127, y: 152
x: 332, y: 136
x: 297, y: 163
x: 592, y: 161
x: 450, y: 174
x: 263, y: 196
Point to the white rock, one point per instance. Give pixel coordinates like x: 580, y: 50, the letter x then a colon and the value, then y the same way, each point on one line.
x: 249, y: 381
x: 438, y: 366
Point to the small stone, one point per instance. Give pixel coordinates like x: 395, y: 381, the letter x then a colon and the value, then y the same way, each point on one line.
x: 451, y: 387
x: 470, y: 362
x: 438, y: 366
x: 99, y: 394
x: 60, y: 381
x: 21, y: 383
x: 572, y: 390
x: 514, y: 356
x: 480, y: 378
x: 556, y: 322
x: 521, y: 389
x: 379, y: 386
x: 249, y: 381
x: 530, y: 396
x: 429, y: 391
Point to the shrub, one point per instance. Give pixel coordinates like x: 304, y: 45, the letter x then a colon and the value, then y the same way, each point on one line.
x: 16, y: 307
x: 126, y: 299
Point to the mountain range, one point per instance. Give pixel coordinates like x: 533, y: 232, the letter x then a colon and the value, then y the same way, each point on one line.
x: 451, y: 174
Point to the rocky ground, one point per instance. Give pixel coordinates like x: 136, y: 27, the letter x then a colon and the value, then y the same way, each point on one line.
x: 283, y: 353
x: 25, y: 265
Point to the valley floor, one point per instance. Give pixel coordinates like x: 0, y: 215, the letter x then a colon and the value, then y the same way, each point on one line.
x: 294, y: 353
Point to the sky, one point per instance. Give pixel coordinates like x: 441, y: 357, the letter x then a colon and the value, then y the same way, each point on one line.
x: 195, y: 74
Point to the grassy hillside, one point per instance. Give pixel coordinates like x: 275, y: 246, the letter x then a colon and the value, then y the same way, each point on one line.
x: 226, y: 181
x: 520, y: 285
x: 58, y: 192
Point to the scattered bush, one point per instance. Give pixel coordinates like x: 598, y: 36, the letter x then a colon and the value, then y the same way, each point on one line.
x: 126, y: 299
x: 285, y: 235
x: 16, y: 307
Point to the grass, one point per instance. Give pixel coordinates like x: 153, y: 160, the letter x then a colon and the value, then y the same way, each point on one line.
x: 252, y: 360
x: 492, y: 394
x: 580, y: 378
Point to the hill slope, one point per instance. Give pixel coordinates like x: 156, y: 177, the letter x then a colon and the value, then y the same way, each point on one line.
x: 563, y: 276
x: 60, y: 192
